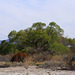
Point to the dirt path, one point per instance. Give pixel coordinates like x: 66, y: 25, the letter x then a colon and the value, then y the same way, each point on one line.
x: 32, y: 70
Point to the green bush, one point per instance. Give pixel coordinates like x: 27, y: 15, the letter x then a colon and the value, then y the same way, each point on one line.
x: 59, y: 48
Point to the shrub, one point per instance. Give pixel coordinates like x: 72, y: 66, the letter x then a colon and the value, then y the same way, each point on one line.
x: 19, y: 57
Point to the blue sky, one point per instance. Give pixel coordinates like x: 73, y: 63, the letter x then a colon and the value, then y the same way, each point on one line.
x: 21, y: 14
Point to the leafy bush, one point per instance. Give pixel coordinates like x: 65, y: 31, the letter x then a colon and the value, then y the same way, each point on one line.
x: 59, y: 48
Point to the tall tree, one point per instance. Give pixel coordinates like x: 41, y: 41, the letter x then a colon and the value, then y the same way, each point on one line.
x: 40, y: 38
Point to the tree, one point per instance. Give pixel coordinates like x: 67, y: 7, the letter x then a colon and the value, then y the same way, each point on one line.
x: 54, y: 31
x: 40, y: 38
x: 6, y: 48
x: 21, y: 35
x: 12, y: 34
x: 38, y: 25
x: 59, y: 48
x: 56, y: 28
x: 20, y: 39
x: 3, y: 42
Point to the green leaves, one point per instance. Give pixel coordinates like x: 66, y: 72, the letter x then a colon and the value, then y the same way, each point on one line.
x: 40, y: 38
x: 52, y: 24
x: 38, y: 25
x: 56, y: 28
x: 12, y: 34
x: 59, y: 48
x: 6, y: 48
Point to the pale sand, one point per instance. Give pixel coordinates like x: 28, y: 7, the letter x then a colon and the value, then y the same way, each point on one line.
x: 32, y: 70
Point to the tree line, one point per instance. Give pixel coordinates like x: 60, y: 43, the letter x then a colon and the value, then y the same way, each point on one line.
x: 37, y: 38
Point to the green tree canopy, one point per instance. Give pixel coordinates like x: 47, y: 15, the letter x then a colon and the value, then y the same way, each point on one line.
x: 12, y: 34
x: 38, y: 25
x: 40, y: 38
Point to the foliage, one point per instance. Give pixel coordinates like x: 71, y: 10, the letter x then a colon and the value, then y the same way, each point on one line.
x: 37, y: 38
x: 6, y: 48
x: 38, y: 26
x: 12, y: 34
x: 59, y: 48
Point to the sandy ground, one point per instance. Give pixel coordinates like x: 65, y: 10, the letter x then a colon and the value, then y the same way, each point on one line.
x: 32, y: 70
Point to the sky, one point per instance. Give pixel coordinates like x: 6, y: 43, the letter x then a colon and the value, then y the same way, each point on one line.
x: 21, y: 14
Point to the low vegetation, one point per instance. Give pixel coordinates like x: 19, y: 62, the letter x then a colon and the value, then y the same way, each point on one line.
x: 45, y: 45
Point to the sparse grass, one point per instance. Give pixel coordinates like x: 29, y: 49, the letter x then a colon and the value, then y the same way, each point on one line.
x: 5, y: 64
x: 56, y: 62
x: 41, y: 59
x: 39, y: 63
x: 10, y: 64
x: 57, y: 58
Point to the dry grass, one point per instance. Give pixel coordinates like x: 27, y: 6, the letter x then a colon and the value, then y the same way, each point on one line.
x: 41, y: 57
x: 57, y: 58
x: 56, y: 62
x: 27, y: 62
x: 44, y: 59
x: 5, y: 64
